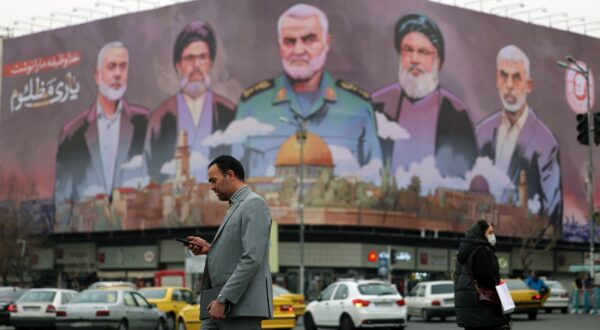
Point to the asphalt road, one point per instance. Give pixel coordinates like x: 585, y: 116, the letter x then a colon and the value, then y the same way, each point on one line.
x: 544, y: 321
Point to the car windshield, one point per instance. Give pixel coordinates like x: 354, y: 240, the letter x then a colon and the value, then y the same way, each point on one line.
x: 38, y: 296
x: 96, y: 296
x: 516, y: 285
x: 11, y: 294
x: 153, y: 293
x: 442, y: 288
x: 555, y: 285
x: 376, y: 289
x: 278, y: 291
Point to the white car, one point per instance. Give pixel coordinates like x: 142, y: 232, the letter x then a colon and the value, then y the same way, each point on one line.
x: 431, y: 299
x: 559, y: 298
x: 351, y: 304
x: 37, y: 307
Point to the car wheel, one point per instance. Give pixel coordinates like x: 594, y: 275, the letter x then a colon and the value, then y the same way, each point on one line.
x: 443, y: 319
x: 181, y: 325
x: 170, y: 321
x: 426, y: 316
x: 532, y: 315
x: 564, y: 310
x: 346, y: 323
x: 309, y: 323
x: 160, y: 325
x: 548, y: 310
x: 123, y: 325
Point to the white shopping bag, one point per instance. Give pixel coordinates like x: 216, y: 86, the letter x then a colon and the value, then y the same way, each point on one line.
x: 508, y: 305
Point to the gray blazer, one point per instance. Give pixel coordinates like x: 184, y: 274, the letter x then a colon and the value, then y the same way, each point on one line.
x: 239, y: 257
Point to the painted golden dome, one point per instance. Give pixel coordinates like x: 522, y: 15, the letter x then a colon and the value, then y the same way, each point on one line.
x: 316, y: 152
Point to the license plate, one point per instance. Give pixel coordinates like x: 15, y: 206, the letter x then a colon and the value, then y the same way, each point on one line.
x: 30, y: 308
x: 383, y: 304
x: 81, y: 324
x: 449, y: 301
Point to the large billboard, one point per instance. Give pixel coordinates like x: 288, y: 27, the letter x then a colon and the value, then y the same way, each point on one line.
x: 408, y: 115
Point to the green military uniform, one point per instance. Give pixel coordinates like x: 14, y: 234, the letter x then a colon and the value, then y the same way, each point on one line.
x: 339, y: 112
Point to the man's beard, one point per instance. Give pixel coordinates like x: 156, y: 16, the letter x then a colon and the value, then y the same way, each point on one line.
x: 516, y: 106
x: 304, y: 73
x: 417, y: 87
x: 194, y: 89
x: 113, y: 94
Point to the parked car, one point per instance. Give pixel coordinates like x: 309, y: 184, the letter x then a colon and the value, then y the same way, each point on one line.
x: 298, y: 301
x: 283, y: 316
x: 527, y: 301
x: 122, y: 309
x: 36, y: 308
x: 8, y: 296
x: 364, y: 303
x: 170, y: 300
x: 558, y: 299
x: 113, y: 284
x: 431, y: 299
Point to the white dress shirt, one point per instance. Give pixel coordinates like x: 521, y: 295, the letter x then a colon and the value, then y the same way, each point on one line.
x: 108, y: 135
x: 506, y: 141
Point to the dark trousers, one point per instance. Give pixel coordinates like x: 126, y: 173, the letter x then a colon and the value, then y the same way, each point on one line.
x: 234, y: 323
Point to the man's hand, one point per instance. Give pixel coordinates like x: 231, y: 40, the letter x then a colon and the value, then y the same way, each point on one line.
x: 216, y: 310
x: 200, y: 246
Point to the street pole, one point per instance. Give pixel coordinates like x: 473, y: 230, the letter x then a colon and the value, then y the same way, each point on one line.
x: 390, y: 263
x: 590, y: 180
x: 301, y: 137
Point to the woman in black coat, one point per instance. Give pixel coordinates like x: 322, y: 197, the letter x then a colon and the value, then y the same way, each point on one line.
x: 477, y: 264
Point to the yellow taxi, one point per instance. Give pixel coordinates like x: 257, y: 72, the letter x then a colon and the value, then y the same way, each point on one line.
x: 527, y: 301
x: 297, y: 299
x: 283, y: 316
x: 170, y: 300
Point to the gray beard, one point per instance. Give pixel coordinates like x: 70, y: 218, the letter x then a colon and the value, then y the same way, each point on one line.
x: 112, y: 93
x: 194, y: 89
x: 418, y: 87
x: 513, y: 107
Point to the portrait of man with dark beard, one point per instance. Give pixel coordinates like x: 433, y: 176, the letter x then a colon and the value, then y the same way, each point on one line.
x: 97, y: 147
x: 195, y: 112
x: 437, y: 121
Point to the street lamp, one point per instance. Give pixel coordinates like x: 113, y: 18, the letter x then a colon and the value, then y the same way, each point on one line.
x: 91, y: 11
x: 549, y: 17
x: 480, y: 3
x: 585, y: 26
x: 301, y: 133
x: 110, y: 5
x: 507, y: 7
x: 69, y: 15
x: 590, y: 175
x: 581, y: 19
x: 528, y: 12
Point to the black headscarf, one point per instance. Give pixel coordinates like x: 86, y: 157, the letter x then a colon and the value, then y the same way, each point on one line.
x: 195, y: 31
x: 423, y: 24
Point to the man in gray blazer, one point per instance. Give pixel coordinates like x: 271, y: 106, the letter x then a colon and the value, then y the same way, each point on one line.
x: 238, y: 258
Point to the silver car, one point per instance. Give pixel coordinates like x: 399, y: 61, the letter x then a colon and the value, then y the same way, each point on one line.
x: 559, y: 298
x: 120, y: 309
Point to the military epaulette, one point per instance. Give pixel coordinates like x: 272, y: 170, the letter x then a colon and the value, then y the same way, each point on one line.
x: 353, y: 89
x: 257, y: 88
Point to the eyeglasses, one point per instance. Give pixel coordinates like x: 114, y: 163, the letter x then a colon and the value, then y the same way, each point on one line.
x: 421, y: 52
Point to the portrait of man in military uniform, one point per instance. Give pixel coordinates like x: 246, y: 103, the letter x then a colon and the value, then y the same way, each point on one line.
x: 306, y: 94
x: 436, y: 120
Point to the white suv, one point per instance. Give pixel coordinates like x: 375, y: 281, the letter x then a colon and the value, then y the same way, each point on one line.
x: 363, y: 303
x: 431, y: 299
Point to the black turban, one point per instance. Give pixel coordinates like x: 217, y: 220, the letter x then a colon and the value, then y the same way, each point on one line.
x: 195, y: 31
x: 423, y: 24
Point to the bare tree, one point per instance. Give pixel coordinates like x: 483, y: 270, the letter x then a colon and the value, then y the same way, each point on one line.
x: 534, y: 232
x: 16, y: 233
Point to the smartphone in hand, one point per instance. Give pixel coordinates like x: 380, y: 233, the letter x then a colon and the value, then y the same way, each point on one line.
x: 186, y: 242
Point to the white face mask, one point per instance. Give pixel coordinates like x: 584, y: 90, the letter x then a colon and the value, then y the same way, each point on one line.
x: 491, y: 239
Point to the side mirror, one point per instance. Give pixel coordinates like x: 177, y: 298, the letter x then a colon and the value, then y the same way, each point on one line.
x: 152, y: 305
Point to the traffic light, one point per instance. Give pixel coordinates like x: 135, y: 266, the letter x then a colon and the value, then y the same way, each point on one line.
x: 597, y: 128
x: 372, y: 257
x: 582, y: 129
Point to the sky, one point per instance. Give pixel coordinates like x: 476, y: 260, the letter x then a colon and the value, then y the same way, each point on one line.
x: 37, y: 14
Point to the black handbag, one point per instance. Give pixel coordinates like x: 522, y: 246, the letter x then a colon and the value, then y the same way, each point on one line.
x: 486, y: 296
